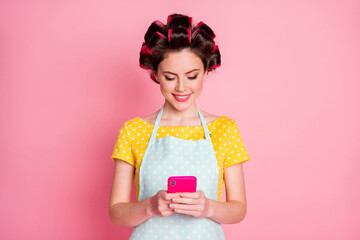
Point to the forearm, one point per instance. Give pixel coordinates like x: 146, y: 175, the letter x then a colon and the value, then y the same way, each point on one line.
x: 226, y: 212
x: 130, y: 214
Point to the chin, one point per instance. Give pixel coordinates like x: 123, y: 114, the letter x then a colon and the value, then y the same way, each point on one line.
x: 181, y: 106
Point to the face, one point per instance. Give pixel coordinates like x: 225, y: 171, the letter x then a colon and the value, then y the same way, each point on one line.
x: 181, y: 76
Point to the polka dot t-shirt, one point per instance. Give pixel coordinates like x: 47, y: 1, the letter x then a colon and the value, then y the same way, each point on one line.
x: 225, y: 136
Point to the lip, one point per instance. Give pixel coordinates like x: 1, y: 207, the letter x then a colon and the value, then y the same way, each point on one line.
x: 181, y: 98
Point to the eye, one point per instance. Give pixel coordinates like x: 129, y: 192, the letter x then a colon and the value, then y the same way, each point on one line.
x: 168, y: 78
x: 192, y: 78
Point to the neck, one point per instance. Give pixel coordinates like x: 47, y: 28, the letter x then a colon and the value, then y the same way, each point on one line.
x: 176, y: 117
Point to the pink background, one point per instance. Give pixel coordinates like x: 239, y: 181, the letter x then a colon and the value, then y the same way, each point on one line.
x: 289, y: 77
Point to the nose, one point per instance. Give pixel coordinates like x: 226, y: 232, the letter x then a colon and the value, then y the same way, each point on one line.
x: 180, y: 85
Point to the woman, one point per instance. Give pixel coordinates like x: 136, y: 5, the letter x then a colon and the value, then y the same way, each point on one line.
x: 178, y: 140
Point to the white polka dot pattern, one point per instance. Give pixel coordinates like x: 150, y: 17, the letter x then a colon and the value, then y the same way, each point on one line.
x: 172, y: 156
x: 228, y: 145
x: 175, y: 228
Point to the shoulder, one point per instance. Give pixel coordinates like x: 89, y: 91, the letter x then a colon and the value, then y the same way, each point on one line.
x: 131, y: 122
x: 151, y: 118
x: 223, y: 125
x: 218, y: 120
x: 134, y: 123
x: 227, y: 120
x: 135, y: 129
x: 209, y: 118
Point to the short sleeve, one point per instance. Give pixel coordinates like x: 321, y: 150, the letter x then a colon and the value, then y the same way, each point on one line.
x: 123, y: 147
x: 236, y: 151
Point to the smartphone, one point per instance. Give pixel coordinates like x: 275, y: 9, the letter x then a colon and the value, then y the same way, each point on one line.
x: 182, y: 184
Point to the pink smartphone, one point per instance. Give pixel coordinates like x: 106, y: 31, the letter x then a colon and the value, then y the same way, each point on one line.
x: 182, y: 184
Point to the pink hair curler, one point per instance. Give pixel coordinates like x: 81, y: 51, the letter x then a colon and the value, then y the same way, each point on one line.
x: 189, y: 34
x: 159, y: 23
x: 169, y: 18
x: 145, y: 49
x: 216, y: 66
x: 169, y: 34
x: 143, y: 67
x: 190, y: 21
x: 199, y: 24
x: 161, y: 35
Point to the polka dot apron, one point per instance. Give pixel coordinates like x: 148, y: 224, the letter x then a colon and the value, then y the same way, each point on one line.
x: 171, y: 156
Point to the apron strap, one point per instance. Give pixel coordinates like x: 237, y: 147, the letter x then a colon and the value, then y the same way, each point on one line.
x: 153, y: 134
x: 157, y: 122
x: 203, y: 122
x: 156, y: 126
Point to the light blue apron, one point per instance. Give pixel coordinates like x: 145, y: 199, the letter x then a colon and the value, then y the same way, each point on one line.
x: 171, y: 156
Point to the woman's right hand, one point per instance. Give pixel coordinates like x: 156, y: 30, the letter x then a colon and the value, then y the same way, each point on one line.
x: 159, y: 203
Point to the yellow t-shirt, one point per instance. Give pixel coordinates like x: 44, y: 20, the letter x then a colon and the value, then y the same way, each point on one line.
x: 135, y: 134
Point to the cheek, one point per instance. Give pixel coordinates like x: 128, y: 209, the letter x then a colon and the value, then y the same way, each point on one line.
x: 165, y: 88
x: 198, y: 86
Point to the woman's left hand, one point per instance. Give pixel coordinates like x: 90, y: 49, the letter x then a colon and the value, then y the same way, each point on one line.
x: 195, y: 204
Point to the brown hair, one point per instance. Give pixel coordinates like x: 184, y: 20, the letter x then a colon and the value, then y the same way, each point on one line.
x: 178, y: 34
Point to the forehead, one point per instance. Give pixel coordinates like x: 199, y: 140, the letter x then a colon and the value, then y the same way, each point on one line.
x: 180, y: 62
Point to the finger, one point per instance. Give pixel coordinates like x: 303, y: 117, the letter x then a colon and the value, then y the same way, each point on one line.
x: 166, y: 213
x: 166, y: 210
x: 162, y: 194
x: 187, y: 212
x: 164, y: 203
x: 169, y: 196
x: 185, y: 207
x: 184, y: 200
x: 162, y: 199
x: 190, y: 195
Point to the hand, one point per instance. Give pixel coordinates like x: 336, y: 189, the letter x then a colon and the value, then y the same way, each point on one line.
x: 195, y: 204
x: 159, y: 203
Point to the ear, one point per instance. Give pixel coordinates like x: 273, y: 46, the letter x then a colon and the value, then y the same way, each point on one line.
x: 155, y: 75
x: 205, y: 75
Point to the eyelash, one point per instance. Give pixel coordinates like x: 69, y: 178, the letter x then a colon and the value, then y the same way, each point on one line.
x: 191, y: 78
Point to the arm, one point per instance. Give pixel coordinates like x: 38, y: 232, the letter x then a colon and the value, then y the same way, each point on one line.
x: 122, y: 212
x: 231, y: 211
x: 234, y: 209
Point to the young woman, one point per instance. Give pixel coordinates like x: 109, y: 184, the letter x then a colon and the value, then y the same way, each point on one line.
x: 178, y: 140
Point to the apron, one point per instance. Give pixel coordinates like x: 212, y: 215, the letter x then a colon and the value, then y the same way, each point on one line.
x: 171, y: 156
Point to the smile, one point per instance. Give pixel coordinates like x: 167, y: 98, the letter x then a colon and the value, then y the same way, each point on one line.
x: 181, y: 98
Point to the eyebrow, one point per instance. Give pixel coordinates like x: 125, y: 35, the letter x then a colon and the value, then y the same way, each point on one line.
x: 185, y: 73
